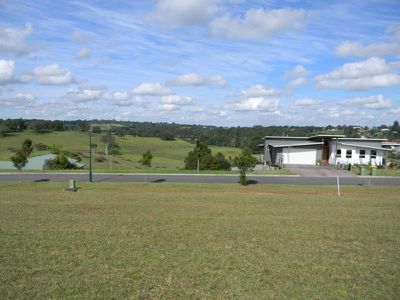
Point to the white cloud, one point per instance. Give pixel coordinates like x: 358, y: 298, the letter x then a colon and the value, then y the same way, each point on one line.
x: 12, y: 40
x: 357, y: 49
x: 372, y: 102
x: 86, y: 94
x: 50, y: 75
x: 174, y: 13
x: 151, y: 89
x: 178, y: 100
x: 307, y: 102
x: 371, y: 73
x: 297, y: 72
x: 259, y: 91
x: 296, y: 83
x: 256, y: 104
x: 258, y: 23
x: 218, y: 80
x: 174, y: 102
x: 194, y: 79
x: 20, y: 100
x: 123, y: 99
x: 83, y: 53
x: 7, y: 69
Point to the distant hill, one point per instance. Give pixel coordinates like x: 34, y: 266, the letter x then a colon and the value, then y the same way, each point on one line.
x: 167, y: 154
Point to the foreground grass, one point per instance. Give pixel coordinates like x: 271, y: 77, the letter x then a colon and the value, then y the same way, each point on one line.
x: 198, y: 241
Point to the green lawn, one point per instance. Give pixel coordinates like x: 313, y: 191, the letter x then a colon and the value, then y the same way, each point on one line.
x: 174, y: 241
x: 168, y: 155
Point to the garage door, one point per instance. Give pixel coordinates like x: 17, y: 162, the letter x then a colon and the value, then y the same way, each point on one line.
x: 296, y: 156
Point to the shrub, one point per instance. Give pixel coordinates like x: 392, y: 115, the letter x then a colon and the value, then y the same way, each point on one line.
x: 41, y: 147
x: 60, y: 162
x: 100, y: 159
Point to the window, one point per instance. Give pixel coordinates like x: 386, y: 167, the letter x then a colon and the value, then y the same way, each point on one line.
x: 348, y: 153
x: 373, y: 153
x: 339, y: 153
x: 362, y: 153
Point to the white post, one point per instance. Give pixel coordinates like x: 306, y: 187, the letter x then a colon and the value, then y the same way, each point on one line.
x: 338, y: 186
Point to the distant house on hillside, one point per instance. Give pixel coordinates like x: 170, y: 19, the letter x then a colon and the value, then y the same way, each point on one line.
x: 329, y: 149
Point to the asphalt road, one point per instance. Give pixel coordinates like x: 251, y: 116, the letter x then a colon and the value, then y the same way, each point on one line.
x: 190, y: 178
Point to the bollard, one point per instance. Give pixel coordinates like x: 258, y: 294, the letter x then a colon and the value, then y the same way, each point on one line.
x: 71, y: 186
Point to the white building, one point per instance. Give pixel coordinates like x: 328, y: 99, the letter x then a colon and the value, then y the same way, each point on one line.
x: 328, y: 149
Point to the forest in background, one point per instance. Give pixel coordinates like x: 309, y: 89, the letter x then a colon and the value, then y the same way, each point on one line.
x: 238, y: 137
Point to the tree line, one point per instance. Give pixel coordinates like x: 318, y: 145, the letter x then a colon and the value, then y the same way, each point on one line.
x: 239, y: 137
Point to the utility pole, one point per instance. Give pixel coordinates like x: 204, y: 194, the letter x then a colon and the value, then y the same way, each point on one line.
x: 90, y: 157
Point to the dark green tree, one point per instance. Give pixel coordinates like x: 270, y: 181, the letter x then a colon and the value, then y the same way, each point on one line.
x: 27, y: 147
x: 145, y: 161
x: 245, y: 162
x: 198, y: 157
x: 19, y: 161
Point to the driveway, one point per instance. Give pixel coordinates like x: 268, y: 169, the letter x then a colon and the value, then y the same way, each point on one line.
x: 318, y: 171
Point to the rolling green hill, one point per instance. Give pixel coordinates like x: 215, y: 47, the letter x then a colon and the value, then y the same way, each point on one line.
x: 167, y: 155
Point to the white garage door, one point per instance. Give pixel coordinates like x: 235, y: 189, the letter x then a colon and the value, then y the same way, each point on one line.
x: 299, y: 156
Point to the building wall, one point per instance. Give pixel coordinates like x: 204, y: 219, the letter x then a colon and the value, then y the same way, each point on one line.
x: 355, y: 156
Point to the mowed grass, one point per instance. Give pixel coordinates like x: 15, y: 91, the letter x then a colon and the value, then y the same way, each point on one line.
x: 168, y: 155
x: 173, y: 241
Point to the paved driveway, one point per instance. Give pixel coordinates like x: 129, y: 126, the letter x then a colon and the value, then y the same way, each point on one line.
x: 318, y: 171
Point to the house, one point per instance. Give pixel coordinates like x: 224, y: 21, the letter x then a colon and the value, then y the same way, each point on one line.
x: 324, y: 148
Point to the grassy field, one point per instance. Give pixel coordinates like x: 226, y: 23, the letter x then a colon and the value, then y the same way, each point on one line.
x: 167, y: 154
x: 174, y: 241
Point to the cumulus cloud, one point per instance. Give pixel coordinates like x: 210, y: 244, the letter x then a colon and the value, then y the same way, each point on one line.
x: 372, y: 102
x: 123, y: 99
x: 86, y: 94
x: 256, y: 104
x: 174, y: 13
x: 259, y: 90
x: 371, y: 73
x: 307, y: 102
x: 12, y: 40
x: 174, y: 102
x: 7, y: 69
x: 357, y: 49
x: 258, y: 23
x: 49, y: 75
x: 151, y: 89
x: 83, y: 53
x: 194, y: 79
x: 20, y: 100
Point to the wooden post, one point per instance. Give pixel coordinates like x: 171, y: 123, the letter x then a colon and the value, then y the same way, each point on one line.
x: 338, y: 186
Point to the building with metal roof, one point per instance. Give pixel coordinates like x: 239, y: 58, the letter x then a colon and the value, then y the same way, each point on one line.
x: 324, y: 148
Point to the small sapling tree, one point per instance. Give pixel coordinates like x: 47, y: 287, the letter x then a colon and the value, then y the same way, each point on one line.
x: 145, y: 161
x: 245, y: 161
x: 19, y: 161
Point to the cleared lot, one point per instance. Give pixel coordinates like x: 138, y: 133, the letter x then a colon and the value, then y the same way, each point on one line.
x: 207, y: 241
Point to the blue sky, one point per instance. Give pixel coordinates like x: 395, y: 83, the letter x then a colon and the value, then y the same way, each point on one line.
x: 212, y: 62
